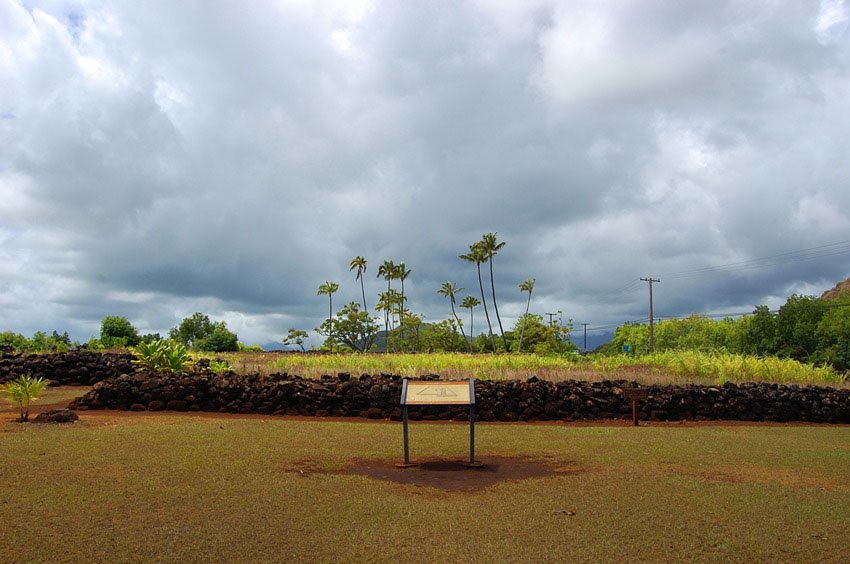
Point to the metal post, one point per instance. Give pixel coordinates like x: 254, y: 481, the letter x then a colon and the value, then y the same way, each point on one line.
x: 406, y: 447
x: 472, y: 433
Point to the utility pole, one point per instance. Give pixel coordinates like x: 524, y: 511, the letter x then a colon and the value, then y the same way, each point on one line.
x: 585, y: 336
x: 651, y: 316
x: 551, y: 315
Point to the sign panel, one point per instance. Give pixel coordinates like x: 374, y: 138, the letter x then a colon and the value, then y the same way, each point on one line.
x: 632, y: 394
x: 437, y: 393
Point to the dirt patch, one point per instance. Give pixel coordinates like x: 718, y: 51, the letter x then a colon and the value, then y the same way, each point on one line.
x: 455, y: 475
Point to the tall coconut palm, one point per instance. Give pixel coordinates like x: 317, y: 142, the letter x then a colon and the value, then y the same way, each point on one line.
x: 471, y: 302
x: 328, y: 289
x: 527, y: 286
x: 491, y: 245
x: 477, y: 255
x: 387, y: 271
x: 387, y: 303
x: 360, y: 263
x: 450, y: 291
x: 401, y: 274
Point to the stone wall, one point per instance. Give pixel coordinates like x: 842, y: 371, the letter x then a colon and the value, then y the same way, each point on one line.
x: 74, y: 367
x: 377, y: 397
x: 118, y: 386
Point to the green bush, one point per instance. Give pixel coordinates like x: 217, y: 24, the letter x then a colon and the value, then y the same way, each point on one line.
x: 200, y: 333
x: 118, y: 331
x: 219, y: 366
x: 162, y: 356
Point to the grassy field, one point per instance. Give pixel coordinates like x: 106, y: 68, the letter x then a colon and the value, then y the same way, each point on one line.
x: 660, y: 368
x: 184, y: 487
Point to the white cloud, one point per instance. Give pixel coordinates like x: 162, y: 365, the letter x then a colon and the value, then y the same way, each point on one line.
x: 157, y: 159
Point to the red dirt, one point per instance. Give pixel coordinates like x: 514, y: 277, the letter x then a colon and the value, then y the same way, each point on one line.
x: 447, y: 475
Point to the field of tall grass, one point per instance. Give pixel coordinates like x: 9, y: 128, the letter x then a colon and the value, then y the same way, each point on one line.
x: 675, y: 367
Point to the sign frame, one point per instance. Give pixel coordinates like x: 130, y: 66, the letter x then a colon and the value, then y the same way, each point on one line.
x: 466, y: 397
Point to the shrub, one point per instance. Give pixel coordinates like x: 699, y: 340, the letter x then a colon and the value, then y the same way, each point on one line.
x: 219, y: 366
x: 162, y: 356
x: 23, y: 391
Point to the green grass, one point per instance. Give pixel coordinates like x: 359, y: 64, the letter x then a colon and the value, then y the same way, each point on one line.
x: 661, y: 368
x: 178, y: 487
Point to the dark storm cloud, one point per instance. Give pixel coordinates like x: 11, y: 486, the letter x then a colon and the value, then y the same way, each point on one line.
x: 162, y: 158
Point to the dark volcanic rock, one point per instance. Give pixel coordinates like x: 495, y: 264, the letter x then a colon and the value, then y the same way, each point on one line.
x: 377, y: 396
x: 56, y: 416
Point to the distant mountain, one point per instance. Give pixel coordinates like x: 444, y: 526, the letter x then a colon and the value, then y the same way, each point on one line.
x: 594, y: 340
x: 841, y: 289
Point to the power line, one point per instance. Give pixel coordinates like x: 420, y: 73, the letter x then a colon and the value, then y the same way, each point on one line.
x: 789, y: 257
x: 801, y: 255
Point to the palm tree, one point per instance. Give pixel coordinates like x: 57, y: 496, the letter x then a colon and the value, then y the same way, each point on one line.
x: 470, y: 302
x: 401, y: 273
x: 328, y: 289
x: 491, y: 246
x: 527, y: 286
x: 450, y: 291
x: 387, y: 271
x: 388, y: 302
x: 359, y: 263
x: 477, y: 255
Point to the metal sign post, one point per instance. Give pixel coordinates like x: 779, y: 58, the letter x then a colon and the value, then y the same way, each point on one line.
x: 438, y: 393
x: 633, y: 395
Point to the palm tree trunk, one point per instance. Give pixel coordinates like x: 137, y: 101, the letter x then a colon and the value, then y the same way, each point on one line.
x: 459, y: 324
x: 484, y: 303
x: 471, y: 326
x: 401, y: 312
x: 330, y: 317
x: 363, y: 291
x: 524, y: 321
x: 387, y: 318
x: 499, y: 319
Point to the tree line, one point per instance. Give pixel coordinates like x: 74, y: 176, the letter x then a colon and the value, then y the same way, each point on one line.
x: 354, y: 329
x: 805, y: 328
x: 197, y: 332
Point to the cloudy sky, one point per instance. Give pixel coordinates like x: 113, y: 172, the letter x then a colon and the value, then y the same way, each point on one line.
x: 159, y: 158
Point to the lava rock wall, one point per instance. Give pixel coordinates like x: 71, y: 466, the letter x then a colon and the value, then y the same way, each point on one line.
x: 118, y: 386
x: 73, y: 367
x: 377, y: 397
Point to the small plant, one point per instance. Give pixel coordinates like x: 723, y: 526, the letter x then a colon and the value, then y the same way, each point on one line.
x: 24, y: 391
x: 219, y: 366
x: 162, y: 356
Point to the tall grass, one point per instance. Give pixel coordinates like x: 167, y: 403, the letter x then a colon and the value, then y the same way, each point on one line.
x: 659, y: 368
x: 723, y: 367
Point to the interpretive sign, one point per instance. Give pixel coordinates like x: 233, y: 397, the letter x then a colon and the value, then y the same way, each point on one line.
x: 633, y: 395
x: 438, y: 393
x: 422, y: 392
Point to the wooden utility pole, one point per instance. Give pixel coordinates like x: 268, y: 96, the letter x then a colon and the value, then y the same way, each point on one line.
x: 585, y: 336
x: 651, y: 315
x: 551, y: 315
